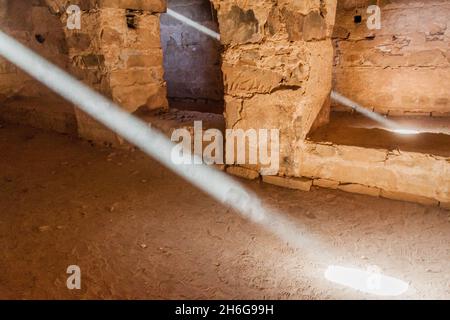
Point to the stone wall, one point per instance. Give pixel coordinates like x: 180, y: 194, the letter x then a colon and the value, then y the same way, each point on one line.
x: 192, y: 60
x: 34, y: 25
x: 117, y: 51
x: 393, y: 174
x: 401, y: 69
x: 277, y: 67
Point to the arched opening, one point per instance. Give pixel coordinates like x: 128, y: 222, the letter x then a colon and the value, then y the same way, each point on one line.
x: 192, y: 59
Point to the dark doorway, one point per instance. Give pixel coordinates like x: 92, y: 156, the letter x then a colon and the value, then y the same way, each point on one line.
x: 192, y: 59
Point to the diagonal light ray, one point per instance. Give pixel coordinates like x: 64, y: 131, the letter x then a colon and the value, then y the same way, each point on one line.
x: 387, y: 123
x: 193, y: 24
x: 213, y: 182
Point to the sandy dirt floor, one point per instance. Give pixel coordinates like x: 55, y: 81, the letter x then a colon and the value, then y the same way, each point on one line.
x: 138, y: 231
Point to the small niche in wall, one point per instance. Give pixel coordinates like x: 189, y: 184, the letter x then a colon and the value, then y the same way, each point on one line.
x: 131, y: 16
x: 357, y: 18
x: 39, y: 38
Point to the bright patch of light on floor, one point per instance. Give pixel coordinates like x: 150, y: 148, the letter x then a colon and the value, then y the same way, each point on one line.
x: 406, y: 131
x: 366, y: 281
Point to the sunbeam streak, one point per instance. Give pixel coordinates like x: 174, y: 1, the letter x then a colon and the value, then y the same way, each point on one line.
x: 215, y: 183
x: 193, y: 24
x: 387, y: 123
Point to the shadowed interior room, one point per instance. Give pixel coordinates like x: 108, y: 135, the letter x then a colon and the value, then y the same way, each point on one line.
x: 99, y: 101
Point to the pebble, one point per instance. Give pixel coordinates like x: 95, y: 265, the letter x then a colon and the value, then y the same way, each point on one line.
x: 44, y: 228
x: 113, y: 207
x: 143, y: 246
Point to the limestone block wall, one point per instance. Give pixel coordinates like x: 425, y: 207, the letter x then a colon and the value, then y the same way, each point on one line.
x: 117, y: 51
x: 401, y: 69
x: 277, y: 67
x: 34, y: 25
x: 192, y: 60
x: 392, y: 174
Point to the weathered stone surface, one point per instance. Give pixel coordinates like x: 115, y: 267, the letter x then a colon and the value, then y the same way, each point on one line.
x: 52, y: 114
x: 238, y: 25
x: 401, y: 69
x: 399, y: 172
x: 291, y: 183
x: 402, y: 196
x: 360, y: 189
x: 243, y: 79
x: 243, y: 172
x: 325, y: 183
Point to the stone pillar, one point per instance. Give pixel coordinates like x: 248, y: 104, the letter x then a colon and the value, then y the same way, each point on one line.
x: 118, y: 52
x: 277, y: 67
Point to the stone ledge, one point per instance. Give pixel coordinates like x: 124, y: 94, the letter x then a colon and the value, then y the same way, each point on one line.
x: 303, y: 184
x: 419, y: 175
x: 243, y: 173
x: 326, y: 183
x: 360, y: 189
x: 409, y: 197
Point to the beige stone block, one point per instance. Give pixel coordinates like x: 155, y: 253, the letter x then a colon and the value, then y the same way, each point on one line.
x: 243, y: 173
x: 326, y: 183
x: 242, y: 79
x: 132, y: 97
x: 351, y: 153
x: 360, y: 189
x: 303, y: 184
x: 157, y: 98
x: 220, y: 167
x: 145, y: 61
x: 233, y: 109
x: 409, y: 197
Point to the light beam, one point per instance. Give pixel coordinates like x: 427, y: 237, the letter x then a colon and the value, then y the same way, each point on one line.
x: 387, y: 123
x: 193, y: 24
x: 213, y: 182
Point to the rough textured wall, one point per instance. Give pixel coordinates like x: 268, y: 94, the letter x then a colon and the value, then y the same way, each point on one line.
x: 34, y: 25
x: 277, y: 67
x: 192, y: 61
x: 403, y: 68
x: 117, y: 51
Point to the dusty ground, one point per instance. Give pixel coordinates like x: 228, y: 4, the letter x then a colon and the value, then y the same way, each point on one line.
x: 138, y: 231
